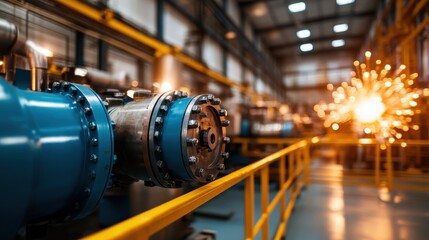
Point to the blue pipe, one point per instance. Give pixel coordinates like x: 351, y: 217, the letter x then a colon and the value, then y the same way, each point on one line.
x: 56, y: 154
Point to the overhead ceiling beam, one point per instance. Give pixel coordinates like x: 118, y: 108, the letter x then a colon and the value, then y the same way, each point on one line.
x: 315, y: 53
x: 316, y: 20
x: 251, y: 2
x: 318, y: 87
x: 316, y: 40
x: 317, y: 70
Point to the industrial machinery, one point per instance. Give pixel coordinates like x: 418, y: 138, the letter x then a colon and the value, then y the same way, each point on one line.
x: 273, y: 122
x: 57, y: 148
x: 63, y: 148
x: 171, y: 138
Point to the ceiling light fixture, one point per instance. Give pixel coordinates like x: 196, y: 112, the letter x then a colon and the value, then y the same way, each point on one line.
x: 297, y: 7
x: 306, y: 47
x: 230, y: 35
x: 341, y: 27
x: 344, y: 2
x: 338, y: 43
x: 259, y: 9
x: 305, y: 33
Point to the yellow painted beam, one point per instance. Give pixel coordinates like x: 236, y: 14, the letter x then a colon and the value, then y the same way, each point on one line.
x: 107, y: 18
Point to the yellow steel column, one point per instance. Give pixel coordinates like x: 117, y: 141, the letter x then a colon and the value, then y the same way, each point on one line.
x: 389, y: 166
x: 249, y: 196
x: 399, y: 6
x: 377, y: 165
x: 264, y: 201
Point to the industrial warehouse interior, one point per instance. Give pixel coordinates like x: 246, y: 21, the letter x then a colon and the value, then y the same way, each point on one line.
x: 214, y: 119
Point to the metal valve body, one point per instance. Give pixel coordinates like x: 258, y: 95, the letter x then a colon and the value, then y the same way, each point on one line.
x: 171, y: 138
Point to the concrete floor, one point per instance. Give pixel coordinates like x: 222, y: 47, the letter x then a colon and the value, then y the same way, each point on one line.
x: 330, y: 212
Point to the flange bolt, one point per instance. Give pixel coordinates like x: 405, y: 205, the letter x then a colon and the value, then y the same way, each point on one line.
x: 196, y: 109
x: 92, y: 126
x: 87, y: 110
x: 216, y: 101
x: 225, y: 123
x: 93, y: 158
x: 192, y: 160
x: 192, y: 141
x: 221, y: 167
x: 163, y: 108
x: 193, y: 124
x: 159, y: 120
x: 210, y: 178
x: 94, y: 141
x: 199, y: 172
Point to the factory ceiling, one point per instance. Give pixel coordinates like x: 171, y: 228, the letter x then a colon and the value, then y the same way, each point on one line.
x: 296, y: 27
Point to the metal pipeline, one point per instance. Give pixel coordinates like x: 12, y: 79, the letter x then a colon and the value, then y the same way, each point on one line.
x: 99, y: 79
x: 38, y: 65
x: 8, y: 36
x: 10, y: 44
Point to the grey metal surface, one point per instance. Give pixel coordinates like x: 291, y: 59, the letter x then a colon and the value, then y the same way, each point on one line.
x: 100, y: 78
x: 132, y: 136
x: 8, y: 36
x: 169, y: 139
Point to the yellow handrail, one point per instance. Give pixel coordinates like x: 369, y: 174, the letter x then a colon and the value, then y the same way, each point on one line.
x: 146, y: 224
x: 326, y: 176
x: 293, y: 173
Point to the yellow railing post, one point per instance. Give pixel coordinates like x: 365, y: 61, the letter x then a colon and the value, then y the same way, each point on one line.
x: 299, y: 159
x: 291, y: 164
x: 377, y: 165
x: 249, y: 196
x: 307, y: 165
x: 282, y: 179
x: 264, y: 201
x: 389, y: 166
x: 291, y: 174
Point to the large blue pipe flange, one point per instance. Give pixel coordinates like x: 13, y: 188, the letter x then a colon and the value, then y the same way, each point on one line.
x: 171, y: 138
x: 97, y: 144
x: 56, y: 154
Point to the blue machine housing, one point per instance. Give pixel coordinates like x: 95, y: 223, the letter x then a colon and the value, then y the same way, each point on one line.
x: 56, y: 154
